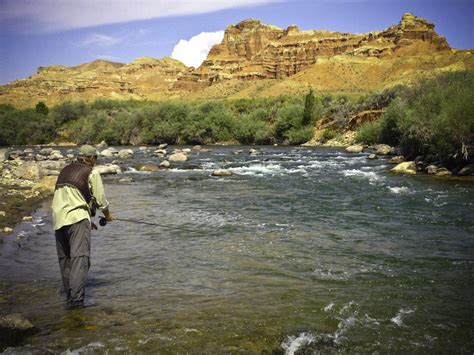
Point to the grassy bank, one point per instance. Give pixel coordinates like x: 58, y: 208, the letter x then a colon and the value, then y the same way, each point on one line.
x: 433, y: 118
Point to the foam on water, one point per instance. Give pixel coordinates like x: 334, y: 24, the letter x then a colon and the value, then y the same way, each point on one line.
x: 370, y: 175
x: 399, y: 190
x: 293, y: 344
x: 258, y: 169
x: 91, y: 348
x: 398, y: 319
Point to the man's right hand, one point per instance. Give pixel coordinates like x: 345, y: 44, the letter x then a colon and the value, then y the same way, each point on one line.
x: 108, y: 216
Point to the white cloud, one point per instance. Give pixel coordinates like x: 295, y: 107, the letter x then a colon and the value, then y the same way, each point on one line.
x: 61, y: 15
x: 100, y: 40
x: 108, y: 57
x: 193, y: 52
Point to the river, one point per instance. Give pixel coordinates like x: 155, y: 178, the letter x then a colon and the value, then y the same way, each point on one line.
x: 301, y: 250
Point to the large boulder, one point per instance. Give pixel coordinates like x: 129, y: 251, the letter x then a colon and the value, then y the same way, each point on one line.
x: 109, y: 152
x: 14, y: 328
x: 383, y: 149
x: 178, y: 157
x: 355, y: 149
x: 125, y: 154
x: 408, y: 167
x: 443, y: 172
x: 467, y: 170
x: 397, y: 160
x: 108, y: 169
x: 45, y: 186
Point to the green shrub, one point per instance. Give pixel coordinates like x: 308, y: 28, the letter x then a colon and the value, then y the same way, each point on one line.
x: 368, y: 133
x: 328, y: 134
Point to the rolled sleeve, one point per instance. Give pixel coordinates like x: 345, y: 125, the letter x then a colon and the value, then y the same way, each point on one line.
x: 97, y: 189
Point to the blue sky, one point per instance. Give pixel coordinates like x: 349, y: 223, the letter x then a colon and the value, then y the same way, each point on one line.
x: 69, y: 32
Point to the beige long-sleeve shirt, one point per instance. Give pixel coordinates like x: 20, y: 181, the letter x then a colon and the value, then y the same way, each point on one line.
x: 69, y: 206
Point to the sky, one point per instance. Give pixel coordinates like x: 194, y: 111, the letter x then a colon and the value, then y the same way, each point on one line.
x: 36, y: 33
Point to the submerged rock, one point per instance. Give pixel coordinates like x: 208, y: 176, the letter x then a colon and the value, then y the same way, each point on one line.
x: 126, y: 180
x: 408, y: 167
x: 14, y: 328
x: 148, y: 168
x: 221, y: 172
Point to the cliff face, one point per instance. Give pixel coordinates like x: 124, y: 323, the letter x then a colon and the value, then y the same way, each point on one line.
x: 255, y: 59
x: 251, y: 50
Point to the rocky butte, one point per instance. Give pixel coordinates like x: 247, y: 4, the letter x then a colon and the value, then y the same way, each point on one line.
x: 257, y: 60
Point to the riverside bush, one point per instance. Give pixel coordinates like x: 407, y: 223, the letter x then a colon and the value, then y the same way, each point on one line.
x: 434, y: 117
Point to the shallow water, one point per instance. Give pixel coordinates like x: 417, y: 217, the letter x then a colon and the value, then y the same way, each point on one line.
x: 300, y: 250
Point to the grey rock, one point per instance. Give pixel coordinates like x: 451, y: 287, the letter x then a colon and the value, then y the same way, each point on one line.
x: 162, y: 146
x: 443, y: 172
x: 397, y: 160
x: 46, y: 151
x: 408, y: 167
x: 178, y: 157
x: 372, y: 156
x: 355, y: 149
x: 3, y: 154
x: 125, y: 154
x: 102, y: 145
x: 467, y: 170
x: 127, y: 179
x: 165, y: 164
x: 109, y: 152
x: 108, y: 169
x: 431, y: 169
x: 383, y: 149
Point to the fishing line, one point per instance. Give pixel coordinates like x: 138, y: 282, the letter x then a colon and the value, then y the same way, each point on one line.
x: 103, y: 223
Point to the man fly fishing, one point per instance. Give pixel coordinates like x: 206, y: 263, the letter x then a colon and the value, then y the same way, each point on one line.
x: 79, y: 192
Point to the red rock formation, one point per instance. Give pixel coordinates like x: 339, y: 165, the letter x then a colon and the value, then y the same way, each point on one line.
x: 251, y: 50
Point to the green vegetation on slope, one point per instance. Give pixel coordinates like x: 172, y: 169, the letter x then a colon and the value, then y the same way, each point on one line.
x: 434, y: 118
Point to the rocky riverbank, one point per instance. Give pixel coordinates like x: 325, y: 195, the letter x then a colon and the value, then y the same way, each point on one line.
x: 28, y: 176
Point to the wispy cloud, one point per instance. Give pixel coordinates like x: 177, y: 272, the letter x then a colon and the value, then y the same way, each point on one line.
x: 100, y: 40
x: 61, y: 15
x: 108, y: 57
x: 194, y: 52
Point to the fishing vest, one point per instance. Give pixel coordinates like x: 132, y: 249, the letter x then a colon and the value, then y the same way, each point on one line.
x: 76, y: 175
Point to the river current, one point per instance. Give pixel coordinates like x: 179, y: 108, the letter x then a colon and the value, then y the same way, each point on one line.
x: 301, y: 250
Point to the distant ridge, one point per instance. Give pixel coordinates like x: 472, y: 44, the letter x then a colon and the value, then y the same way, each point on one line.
x: 257, y: 60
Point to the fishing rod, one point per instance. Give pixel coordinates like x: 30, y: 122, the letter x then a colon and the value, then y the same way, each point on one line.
x: 103, y: 223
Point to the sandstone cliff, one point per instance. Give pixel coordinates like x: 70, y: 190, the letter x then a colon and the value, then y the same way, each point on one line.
x: 255, y: 59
